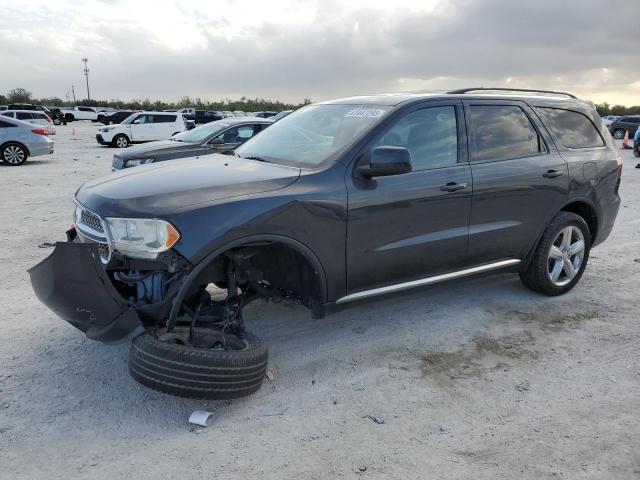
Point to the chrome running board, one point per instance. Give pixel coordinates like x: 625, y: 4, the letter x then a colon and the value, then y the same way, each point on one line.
x: 426, y: 281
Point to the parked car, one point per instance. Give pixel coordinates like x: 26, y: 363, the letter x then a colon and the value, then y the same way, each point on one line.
x: 281, y: 114
x: 188, y: 113
x: 115, y: 117
x: 80, y: 113
x: 337, y: 202
x: 266, y: 114
x: 33, y: 117
x: 141, y: 127
x: 623, y: 125
x: 53, y: 113
x: 214, y: 137
x: 20, y: 140
x: 202, y: 116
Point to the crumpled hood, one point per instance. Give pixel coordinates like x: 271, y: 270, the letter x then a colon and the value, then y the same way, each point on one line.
x: 163, y: 188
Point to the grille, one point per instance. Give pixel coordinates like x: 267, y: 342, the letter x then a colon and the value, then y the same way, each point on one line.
x: 92, y: 221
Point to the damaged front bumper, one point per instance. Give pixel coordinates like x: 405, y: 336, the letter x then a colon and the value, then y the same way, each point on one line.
x: 73, y: 283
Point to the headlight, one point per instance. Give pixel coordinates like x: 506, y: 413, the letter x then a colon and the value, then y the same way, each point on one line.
x: 142, y: 237
x: 134, y: 162
x: 106, y: 129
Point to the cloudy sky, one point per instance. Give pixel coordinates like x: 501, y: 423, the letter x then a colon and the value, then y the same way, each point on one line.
x: 318, y: 49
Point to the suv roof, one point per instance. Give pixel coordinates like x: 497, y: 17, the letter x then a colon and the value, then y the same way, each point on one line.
x: 392, y: 99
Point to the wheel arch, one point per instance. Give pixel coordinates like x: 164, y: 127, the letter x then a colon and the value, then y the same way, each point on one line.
x: 248, y: 241
x: 14, y: 142
x: 581, y: 206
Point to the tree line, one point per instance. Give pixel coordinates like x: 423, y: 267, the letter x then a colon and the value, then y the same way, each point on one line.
x: 21, y: 95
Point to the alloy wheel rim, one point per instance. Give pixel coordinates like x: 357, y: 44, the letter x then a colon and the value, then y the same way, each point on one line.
x: 121, y: 142
x: 565, y: 256
x: 14, y: 155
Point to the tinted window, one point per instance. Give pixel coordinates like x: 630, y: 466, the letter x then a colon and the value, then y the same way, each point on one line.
x: 24, y: 116
x: 164, y: 119
x: 429, y: 134
x: 500, y: 132
x: 573, y: 129
x: 4, y: 124
x: 85, y: 109
x: 8, y: 114
x: 40, y: 116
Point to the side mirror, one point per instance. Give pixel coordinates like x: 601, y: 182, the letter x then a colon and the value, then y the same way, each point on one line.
x: 216, y: 142
x: 386, y: 161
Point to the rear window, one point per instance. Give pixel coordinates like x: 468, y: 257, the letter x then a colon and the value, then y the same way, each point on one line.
x: 572, y: 129
x: 501, y: 132
x: 40, y: 116
x: 164, y: 118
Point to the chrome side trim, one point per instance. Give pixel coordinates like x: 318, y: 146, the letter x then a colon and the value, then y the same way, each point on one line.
x: 426, y: 281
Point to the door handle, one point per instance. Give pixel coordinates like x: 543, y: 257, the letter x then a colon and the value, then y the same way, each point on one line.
x: 453, y: 187
x: 553, y: 173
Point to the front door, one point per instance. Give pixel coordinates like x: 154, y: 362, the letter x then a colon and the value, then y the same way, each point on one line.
x: 410, y: 226
x: 143, y: 128
x: 519, y: 179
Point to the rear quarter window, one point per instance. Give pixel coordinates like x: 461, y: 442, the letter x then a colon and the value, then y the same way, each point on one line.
x: 164, y: 118
x: 572, y: 129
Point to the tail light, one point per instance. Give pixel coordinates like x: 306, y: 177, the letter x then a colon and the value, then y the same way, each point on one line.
x: 40, y: 131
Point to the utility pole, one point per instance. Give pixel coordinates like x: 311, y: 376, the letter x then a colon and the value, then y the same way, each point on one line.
x: 73, y: 92
x: 86, y: 74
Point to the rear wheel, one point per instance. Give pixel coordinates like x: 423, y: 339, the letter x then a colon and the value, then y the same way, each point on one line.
x: 207, y: 363
x: 57, y: 121
x: 69, y: 117
x: 560, y: 257
x: 14, y: 154
x: 618, y: 133
x: 120, y: 141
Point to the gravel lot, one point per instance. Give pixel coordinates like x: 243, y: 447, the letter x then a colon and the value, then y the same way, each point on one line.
x: 478, y: 378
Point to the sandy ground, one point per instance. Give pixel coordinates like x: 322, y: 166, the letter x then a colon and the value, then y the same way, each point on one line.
x: 478, y: 379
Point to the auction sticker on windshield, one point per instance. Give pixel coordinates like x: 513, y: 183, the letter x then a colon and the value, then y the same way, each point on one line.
x: 364, y: 112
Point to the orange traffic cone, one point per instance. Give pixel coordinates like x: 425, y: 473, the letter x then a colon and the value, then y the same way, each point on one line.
x: 625, y: 141
x: 73, y: 133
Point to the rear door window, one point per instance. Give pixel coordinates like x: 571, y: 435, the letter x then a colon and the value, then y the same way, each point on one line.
x: 164, y: 119
x: 572, y: 129
x: 24, y: 116
x: 502, y: 132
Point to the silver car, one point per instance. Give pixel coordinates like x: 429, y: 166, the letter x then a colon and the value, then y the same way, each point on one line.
x: 33, y: 117
x: 20, y: 140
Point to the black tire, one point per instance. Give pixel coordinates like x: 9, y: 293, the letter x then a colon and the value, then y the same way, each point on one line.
x: 191, y: 372
x: 618, y: 133
x: 13, y: 154
x: 636, y: 149
x: 57, y: 121
x: 537, y: 276
x: 120, y: 141
x: 69, y: 117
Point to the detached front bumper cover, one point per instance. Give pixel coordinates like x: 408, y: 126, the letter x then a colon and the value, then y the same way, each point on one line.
x: 73, y: 284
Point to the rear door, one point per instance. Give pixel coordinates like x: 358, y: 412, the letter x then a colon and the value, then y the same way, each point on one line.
x: 519, y: 179
x: 164, y: 126
x: 25, y: 117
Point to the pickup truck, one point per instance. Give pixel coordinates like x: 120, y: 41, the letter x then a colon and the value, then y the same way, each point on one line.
x: 80, y: 113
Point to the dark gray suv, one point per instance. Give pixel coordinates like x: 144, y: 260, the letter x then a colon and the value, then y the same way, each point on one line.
x: 337, y: 202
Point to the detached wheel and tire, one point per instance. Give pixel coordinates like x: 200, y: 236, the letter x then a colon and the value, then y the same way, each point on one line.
x: 212, y: 366
x: 120, y: 141
x: 14, y: 154
x: 560, y: 257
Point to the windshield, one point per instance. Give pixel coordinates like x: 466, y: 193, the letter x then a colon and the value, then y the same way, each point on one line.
x: 201, y: 133
x: 312, y: 135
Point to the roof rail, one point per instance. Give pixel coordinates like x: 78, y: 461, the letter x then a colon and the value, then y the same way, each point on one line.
x: 499, y: 89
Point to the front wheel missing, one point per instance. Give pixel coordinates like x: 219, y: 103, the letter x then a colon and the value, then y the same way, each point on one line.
x: 202, y: 362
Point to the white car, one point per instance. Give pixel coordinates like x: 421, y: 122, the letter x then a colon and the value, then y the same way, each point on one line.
x: 142, y: 127
x: 80, y: 113
x: 33, y: 117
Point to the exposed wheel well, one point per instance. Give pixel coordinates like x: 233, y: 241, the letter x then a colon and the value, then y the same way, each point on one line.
x: 271, y: 269
x: 587, y: 212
